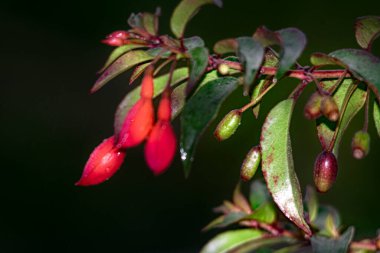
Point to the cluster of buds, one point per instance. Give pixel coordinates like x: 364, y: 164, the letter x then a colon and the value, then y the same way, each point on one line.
x: 319, y: 105
x: 117, y: 38
x: 139, y: 125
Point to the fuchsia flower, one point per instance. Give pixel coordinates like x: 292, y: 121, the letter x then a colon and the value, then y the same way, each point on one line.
x: 161, y: 145
x: 104, y: 161
x: 117, y: 38
x: 140, y: 118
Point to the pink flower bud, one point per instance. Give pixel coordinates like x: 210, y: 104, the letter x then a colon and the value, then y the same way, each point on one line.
x: 116, y: 38
x: 119, y: 34
x: 104, y: 161
x: 114, y: 42
x: 160, y: 147
x: 137, y: 124
x: 161, y: 144
x: 147, y: 84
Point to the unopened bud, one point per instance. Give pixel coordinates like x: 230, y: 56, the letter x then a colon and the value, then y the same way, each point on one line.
x: 223, y: 69
x: 325, y: 171
x: 313, y: 106
x: 360, y: 144
x: 250, y: 163
x: 329, y: 108
x: 227, y: 127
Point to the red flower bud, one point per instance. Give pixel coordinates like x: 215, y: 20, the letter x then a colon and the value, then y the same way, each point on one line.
x: 116, y: 38
x: 113, y: 42
x: 137, y: 124
x: 119, y: 34
x: 140, y: 118
x: 104, y: 161
x: 325, y: 171
x: 161, y: 144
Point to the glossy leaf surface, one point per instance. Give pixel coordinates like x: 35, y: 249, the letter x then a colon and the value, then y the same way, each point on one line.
x: 277, y: 163
x: 199, y: 111
x: 185, y: 10
x: 228, y: 241
x: 367, y: 29
x: 198, y: 65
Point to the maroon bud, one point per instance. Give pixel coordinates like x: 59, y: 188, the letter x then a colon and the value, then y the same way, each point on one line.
x: 325, y: 171
x: 329, y: 108
x: 313, y: 106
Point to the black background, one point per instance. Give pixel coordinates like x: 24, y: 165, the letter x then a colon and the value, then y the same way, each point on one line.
x: 49, y: 54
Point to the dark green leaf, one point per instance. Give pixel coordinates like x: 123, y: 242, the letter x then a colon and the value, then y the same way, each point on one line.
x: 123, y: 63
x: 363, y: 64
x: 251, y: 54
x: 119, y: 51
x: 225, y: 220
x: 323, y: 212
x: 290, y: 249
x: 323, y: 244
x: 277, y: 163
x: 149, y: 22
x: 185, y: 10
x: 230, y: 240
x: 198, y: 65
x: 326, y: 128
x: 293, y: 43
x: 133, y: 96
x: 258, y: 194
x: 135, y: 20
x: 266, y: 213
x: 367, y: 29
x: 262, y: 243
x: 311, y: 202
x: 199, y: 111
x: 193, y: 42
x: 376, y: 116
x: 225, y: 46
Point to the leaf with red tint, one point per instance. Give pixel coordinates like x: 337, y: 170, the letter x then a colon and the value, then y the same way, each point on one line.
x: 160, y: 147
x: 367, y: 29
x: 104, y: 161
x: 137, y: 124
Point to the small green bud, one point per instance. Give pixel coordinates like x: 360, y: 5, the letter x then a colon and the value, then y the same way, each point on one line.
x: 360, y: 144
x: 223, y: 69
x: 325, y: 171
x: 329, y: 108
x: 227, y: 127
x: 313, y: 106
x: 250, y: 163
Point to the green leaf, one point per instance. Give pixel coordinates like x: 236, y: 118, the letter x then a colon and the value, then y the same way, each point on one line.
x: 251, y: 54
x: 240, y: 200
x: 311, y: 202
x: 258, y: 194
x: 123, y: 63
x: 185, y: 10
x: 225, y: 46
x: 133, y: 96
x: 277, y: 163
x: 376, y: 116
x: 325, y: 211
x: 367, y: 29
x: 199, y: 111
x: 149, y: 21
x: 364, y: 66
x: 193, y: 42
x: 321, y: 59
x: 228, y: 241
x: 323, y: 244
x: 225, y: 220
x: 293, y: 43
x: 289, y: 249
x: 198, y: 65
x: 326, y: 128
x: 259, y: 88
x: 262, y: 243
x: 266, y: 213
x: 117, y: 52
x: 138, y: 71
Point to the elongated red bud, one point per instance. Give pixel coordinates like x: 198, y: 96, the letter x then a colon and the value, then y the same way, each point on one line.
x: 313, y: 106
x: 104, y: 161
x: 116, y: 38
x: 325, y: 171
x: 137, y: 124
x: 228, y: 125
x: 147, y: 84
x: 360, y: 144
x: 250, y: 164
x: 160, y: 147
x: 329, y: 108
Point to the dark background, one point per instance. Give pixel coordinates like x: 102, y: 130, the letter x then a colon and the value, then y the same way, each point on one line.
x: 50, y: 52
